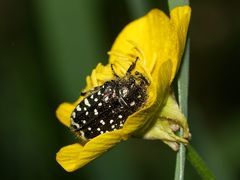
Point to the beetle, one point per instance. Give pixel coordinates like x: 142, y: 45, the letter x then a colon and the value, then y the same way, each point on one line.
x: 106, y: 107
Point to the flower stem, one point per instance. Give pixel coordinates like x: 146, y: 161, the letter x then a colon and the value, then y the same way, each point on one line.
x: 183, y: 102
x: 199, y: 165
x: 191, y: 154
x: 182, y: 96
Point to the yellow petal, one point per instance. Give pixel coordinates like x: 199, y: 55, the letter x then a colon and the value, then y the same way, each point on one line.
x: 64, y: 112
x: 153, y: 38
x: 75, y: 156
x: 180, y: 18
x: 99, y: 76
x: 148, y: 35
x: 68, y: 157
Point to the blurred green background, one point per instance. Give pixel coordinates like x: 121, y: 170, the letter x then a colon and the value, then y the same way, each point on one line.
x: 47, y: 48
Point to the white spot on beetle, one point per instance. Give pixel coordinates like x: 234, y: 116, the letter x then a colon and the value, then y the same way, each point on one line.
x: 124, y: 91
x: 102, y: 122
x: 82, y: 134
x: 86, y: 102
x: 106, y: 98
x: 132, y: 103
x: 74, y: 114
x: 95, y: 112
x: 78, y: 108
x: 73, y: 123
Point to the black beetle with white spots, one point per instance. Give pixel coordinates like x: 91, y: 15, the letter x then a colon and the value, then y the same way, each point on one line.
x: 106, y: 107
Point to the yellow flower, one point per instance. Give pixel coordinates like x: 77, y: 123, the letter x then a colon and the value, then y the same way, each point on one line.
x: 158, y: 41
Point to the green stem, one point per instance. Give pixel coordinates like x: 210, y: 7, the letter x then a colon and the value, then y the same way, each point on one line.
x: 192, y: 156
x: 183, y: 103
x: 199, y: 165
x: 182, y: 95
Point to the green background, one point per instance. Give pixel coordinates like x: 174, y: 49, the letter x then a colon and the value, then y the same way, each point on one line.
x: 47, y: 48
